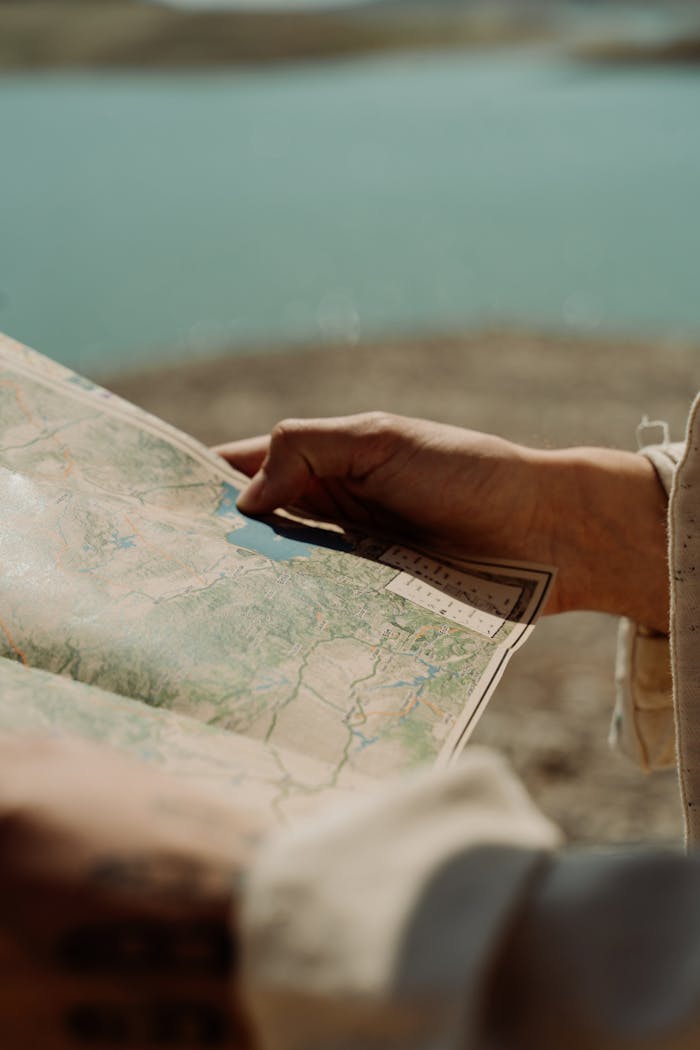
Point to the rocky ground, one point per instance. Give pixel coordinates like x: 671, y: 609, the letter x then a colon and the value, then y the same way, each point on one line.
x: 551, y: 712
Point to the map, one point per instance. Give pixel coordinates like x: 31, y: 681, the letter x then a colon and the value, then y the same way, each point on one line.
x: 129, y: 575
x: 255, y: 777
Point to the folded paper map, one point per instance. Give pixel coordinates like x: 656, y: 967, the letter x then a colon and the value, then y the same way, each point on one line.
x: 276, y: 661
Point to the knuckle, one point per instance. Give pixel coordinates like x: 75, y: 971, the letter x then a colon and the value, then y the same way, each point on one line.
x: 379, y: 434
x: 379, y: 423
x: 286, y: 431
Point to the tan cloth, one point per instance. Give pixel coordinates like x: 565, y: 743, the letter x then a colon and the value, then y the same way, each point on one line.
x: 375, y: 927
x: 657, y: 714
x: 685, y: 621
x: 643, y: 724
x: 440, y: 917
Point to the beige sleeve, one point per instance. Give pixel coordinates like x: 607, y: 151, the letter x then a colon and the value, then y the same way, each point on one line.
x: 439, y: 916
x: 374, y: 928
x: 643, y: 722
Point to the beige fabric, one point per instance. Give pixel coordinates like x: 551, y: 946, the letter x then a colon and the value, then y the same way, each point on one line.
x: 439, y: 918
x: 375, y: 927
x: 657, y: 714
x: 643, y: 719
x: 685, y: 621
x: 665, y: 459
x: 643, y: 724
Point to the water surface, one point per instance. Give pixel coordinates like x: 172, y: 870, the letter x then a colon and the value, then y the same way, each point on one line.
x: 144, y: 216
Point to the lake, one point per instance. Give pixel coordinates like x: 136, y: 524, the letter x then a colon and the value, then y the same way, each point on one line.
x: 146, y: 217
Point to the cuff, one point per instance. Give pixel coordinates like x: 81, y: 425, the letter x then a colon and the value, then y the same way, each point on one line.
x: 665, y: 459
x: 643, y: 721
x: 643, y: 724
x: 374, y: 928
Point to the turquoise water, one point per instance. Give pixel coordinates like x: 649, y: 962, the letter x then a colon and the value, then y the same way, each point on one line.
x: 272, y: 538
x: 145, y: 217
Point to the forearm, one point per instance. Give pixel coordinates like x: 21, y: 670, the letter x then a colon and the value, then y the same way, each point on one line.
x: 597, y: 514
x: 610, y: 538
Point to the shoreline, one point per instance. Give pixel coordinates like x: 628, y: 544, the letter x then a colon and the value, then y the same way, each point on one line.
x: 132, y: 35
x: 536, y: 387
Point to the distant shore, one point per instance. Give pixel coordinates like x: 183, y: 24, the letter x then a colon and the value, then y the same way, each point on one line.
x: 73, y: 34
x: 534, y: 387
x: 551, y: 712
x: 132, y: 34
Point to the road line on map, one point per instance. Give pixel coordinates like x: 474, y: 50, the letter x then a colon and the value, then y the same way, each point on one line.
x: 11, y: 642
x: 63, y: 449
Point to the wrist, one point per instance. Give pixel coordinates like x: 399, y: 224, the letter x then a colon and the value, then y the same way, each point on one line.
x: 605, y: 516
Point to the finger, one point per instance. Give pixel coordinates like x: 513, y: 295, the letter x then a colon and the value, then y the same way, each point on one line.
x: 302, y: 452
x: 246, y: 455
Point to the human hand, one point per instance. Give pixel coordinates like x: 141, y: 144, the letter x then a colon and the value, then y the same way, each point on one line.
x: 118, y: 888
x: 593, y: 513
x: 454, y: 490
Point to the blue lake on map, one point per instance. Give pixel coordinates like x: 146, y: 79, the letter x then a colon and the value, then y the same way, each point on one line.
x: 275, y: 540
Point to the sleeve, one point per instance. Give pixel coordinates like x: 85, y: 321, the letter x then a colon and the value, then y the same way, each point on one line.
x: 440, y: 916
x: 643, y: 721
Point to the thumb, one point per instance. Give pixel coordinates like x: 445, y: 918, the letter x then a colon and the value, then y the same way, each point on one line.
x: 286, y: 471
x: 302, y: 452
x: 267, y: 491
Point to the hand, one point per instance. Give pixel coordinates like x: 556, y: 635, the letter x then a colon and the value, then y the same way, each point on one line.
x: 596, y: 514
x: 117, y: 895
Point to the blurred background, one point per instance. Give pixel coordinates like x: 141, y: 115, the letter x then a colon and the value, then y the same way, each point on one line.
x: 481, y: 212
